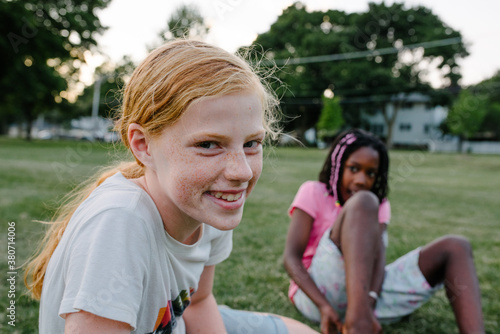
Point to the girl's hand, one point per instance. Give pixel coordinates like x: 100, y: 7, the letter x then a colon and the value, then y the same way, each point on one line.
x: 330, y: 320
x: 362, y: 324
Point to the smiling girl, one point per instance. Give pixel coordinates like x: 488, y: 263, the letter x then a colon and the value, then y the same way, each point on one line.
x: 335, y: 250
x: 140, y: 243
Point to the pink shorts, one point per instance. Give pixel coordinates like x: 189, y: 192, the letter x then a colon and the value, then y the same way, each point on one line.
x: 404, y: 290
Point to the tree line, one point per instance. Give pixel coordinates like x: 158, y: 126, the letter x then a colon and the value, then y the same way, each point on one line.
x: 331, y: 66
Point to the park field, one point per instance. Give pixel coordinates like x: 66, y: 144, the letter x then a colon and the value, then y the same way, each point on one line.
x: 431, y: 195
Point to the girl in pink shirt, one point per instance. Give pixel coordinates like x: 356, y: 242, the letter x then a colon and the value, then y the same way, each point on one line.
x: 335, y: 249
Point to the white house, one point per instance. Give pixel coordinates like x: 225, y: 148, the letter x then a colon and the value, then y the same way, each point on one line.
x: 417, y: 121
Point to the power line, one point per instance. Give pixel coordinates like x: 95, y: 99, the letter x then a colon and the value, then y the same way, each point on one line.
x: 362, y: 54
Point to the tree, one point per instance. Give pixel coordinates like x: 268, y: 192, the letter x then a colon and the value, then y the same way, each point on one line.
x: 365, y: 59
x: 467, y: 114
x: 490, y: 88
x: 297, y: 33
x: 398, y: 74
x: 331, y: 120
x: 41, y: 52
x: 186, y: 22
x: 476, y: 113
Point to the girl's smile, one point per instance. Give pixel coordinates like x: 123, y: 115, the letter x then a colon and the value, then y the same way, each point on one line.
x: 228, y: 200
x: 227, y: 197
x: 203, y: 167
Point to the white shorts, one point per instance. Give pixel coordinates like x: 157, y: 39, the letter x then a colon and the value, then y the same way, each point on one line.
x: 243, y: 322
x: 404, y: 290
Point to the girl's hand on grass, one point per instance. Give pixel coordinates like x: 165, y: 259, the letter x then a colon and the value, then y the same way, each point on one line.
x: 330, y: 320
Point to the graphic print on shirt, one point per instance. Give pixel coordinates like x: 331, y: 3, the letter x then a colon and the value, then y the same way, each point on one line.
x: 167, y: 316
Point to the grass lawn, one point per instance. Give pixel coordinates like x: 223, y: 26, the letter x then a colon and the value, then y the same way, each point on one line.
x: 431, y: 195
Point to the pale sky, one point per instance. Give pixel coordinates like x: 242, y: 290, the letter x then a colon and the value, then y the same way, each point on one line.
x: 233, y: 23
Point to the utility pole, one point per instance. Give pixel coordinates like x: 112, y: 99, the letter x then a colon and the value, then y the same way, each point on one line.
x: 95, y: 105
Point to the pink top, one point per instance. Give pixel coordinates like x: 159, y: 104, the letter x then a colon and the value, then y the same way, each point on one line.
x: 313, y: 199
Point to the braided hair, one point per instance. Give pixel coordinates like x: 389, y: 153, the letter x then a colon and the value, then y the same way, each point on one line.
x: 343, y: 146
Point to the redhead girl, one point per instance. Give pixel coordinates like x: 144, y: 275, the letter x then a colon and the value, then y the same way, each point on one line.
x: 335, y: 250
x: 135, y: 251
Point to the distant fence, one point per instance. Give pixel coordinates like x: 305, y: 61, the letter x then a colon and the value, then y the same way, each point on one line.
x: 483, y: 147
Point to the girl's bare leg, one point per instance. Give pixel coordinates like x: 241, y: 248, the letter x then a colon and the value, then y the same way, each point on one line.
x: 449, y: 260
x: 356, y: 233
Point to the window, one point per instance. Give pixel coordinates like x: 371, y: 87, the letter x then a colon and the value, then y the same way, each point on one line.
x: 405, y: 127
x: 428, y: 128
x: 377, y: 129
x: 407, y: 105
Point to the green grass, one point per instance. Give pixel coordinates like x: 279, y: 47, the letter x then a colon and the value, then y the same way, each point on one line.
x: 431, y: 195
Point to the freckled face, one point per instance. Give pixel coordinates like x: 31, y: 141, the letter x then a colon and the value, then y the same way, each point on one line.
x: 360, y: 171
x: 207, y: 163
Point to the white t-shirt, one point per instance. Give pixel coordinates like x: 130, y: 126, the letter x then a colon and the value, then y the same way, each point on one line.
x: 116, y: 260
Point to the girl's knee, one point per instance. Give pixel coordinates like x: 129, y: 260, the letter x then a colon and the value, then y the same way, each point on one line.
x: 363, y: 200
x: 360, y: 212
x: 456, y: 245
x: 437, y: 256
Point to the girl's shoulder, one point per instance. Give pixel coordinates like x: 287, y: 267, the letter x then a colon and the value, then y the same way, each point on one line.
x: 119, y: 198
x: 314, y: 188
x: 312, y: 194
x: 119, y: 192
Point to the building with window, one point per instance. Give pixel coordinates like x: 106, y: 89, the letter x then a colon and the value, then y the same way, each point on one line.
x: 417, y: 121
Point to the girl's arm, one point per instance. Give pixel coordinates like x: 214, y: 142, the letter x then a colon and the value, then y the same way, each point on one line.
x: 297, y: 239
x: 202, y: 315
x: 378, y: 275
x: 85, y: 322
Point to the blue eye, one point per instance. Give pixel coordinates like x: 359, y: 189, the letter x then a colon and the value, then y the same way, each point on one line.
x: 252, y: 144
x: 207, y: 145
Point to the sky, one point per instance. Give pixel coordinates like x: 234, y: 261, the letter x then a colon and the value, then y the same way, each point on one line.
x: 134, y: 25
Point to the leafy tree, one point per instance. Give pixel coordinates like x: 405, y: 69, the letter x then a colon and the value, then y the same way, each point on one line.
x: 491, y: 122
x: 364, y: 57
x: 490, y: 128
x: 467, y: 114
x: 476, y: 113
x: 186, y: 22
x: 41, y: 51
x: 398, y: 74
x: 331, y: 120
x: 297, y: 33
